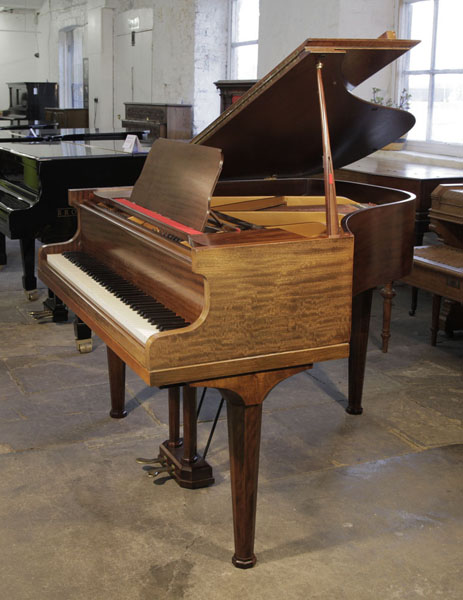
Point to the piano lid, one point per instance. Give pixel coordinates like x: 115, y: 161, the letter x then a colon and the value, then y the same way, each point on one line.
x: 275, y: 130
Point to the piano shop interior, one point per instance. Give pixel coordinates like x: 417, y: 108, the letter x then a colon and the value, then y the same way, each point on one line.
x: 274, y: 192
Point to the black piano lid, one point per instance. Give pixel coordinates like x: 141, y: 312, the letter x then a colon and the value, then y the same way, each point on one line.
x: 44, y: 151
x: 275, y: 129
x: 32, y: 134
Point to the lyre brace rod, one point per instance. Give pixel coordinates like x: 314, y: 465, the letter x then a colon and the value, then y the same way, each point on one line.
x: 332, y: 222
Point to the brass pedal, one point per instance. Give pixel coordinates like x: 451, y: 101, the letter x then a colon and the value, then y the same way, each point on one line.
x: 160, y: 465
x: 42, y: 316
x: 151, y: 461
x: 155, y: 471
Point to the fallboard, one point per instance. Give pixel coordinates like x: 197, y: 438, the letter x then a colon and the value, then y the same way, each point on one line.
x: 157, y: 267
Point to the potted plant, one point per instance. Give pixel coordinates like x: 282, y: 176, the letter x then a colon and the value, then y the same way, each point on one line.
x: 402, y: 104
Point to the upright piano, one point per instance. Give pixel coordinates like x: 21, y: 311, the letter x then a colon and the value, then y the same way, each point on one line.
x: 227, y: 266
x: 28, y: 100
x: 37, y: 167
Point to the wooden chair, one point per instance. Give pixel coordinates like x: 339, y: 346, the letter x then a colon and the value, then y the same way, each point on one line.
x: 439, y: 270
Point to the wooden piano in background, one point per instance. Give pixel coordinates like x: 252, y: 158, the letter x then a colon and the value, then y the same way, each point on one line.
x: 438, y: 268
x: 239, y: 284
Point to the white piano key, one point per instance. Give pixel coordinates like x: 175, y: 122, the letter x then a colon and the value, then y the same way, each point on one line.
x: 125, y: 316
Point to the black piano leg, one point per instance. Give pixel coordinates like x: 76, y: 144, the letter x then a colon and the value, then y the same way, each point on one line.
x: 414, y: 304
x: 83, y: 335
x: 361, y: 309
x: 56, y: 307
x: 2, y: 249
x: 116, y: 369
x: 29, y: 280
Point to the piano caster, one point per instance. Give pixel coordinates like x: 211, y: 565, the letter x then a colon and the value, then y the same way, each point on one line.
x: 84, y: 346
x: 32, y: 295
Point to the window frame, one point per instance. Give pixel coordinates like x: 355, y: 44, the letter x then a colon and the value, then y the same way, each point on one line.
x: 428, y: 145
x: 233, y: 44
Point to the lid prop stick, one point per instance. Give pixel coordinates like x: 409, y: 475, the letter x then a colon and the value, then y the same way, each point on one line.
x: 332, y: 222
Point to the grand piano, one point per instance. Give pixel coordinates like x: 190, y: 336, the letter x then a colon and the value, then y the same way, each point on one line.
x: 37, y: 167
x: 227, y: 266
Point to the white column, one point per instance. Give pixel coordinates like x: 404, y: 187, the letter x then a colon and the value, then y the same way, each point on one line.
x: 100, y: 59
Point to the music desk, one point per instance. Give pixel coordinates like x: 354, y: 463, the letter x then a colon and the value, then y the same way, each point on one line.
x: 419, y: 179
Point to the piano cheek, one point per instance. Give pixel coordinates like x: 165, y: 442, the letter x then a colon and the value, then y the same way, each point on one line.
x: 261, y: 300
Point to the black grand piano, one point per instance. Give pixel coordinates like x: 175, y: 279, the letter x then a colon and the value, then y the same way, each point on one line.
x: 37, y: 167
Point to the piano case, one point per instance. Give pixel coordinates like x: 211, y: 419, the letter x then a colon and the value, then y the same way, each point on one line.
x: 258, y: 304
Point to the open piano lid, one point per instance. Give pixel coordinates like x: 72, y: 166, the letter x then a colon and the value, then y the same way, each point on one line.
x: 275, y: 129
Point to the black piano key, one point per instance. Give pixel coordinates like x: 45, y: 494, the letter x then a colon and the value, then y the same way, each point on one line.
x: 146, y: 306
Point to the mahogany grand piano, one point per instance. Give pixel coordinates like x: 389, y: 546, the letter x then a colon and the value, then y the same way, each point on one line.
x: 239, y: 284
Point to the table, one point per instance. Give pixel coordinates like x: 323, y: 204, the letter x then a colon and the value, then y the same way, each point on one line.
x: 419, y: 179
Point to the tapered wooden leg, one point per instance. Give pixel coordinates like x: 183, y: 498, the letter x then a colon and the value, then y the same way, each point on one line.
x: 116, y: 369
x: 436, y: 300
x: 244, y: 427
x: 361, y: 310
x: 388, y: 293
x: 244, y: 395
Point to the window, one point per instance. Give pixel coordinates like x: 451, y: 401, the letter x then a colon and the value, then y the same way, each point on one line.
x: 244, y: 38
x: 433, y: 74
x: 71, y: 67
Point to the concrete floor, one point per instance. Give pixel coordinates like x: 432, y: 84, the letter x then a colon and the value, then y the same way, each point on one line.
x: 354, y: 508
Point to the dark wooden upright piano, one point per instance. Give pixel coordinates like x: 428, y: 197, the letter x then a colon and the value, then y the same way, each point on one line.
x: 240, y: 283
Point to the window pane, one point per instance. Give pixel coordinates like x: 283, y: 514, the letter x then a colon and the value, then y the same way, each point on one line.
x: 449, y: 48
x: 244, y: 62
x: 418, y: 88
x: 447, y: 122
x: 246, y: 20
x: 421, y: 16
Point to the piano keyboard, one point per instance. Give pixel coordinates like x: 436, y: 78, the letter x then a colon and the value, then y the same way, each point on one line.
x: 140, y: 314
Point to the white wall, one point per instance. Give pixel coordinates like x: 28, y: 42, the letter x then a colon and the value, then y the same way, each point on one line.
x: 285, y: 25
x: 188, y: 49
x: 18, y: 44
x: 210, y: 61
